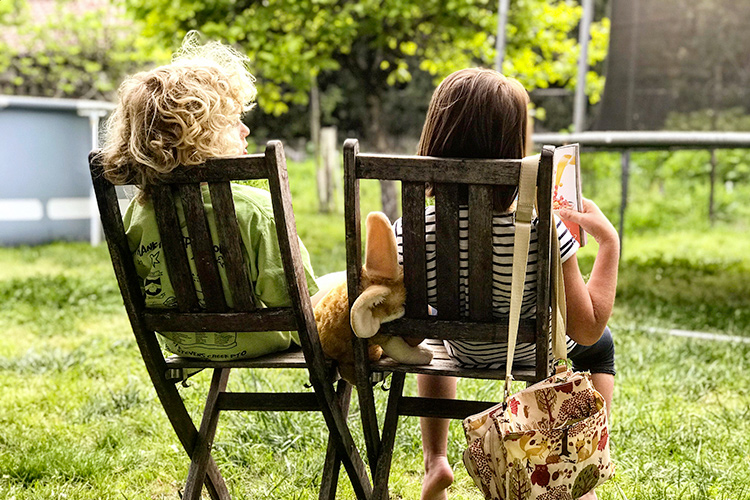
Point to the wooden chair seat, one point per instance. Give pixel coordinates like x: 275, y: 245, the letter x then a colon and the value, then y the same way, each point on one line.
x: 442, y: 364
x: 293, y: 358
x: 181, y: 368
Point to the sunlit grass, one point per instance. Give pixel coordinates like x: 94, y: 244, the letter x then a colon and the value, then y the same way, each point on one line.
x: 689, y: 280
x: 79, y: 418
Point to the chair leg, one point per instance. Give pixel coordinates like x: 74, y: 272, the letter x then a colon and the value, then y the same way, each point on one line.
x: 174, y: 407
x: 188, y: 434
x: 390, y: 423
x: 341, y: 435
x: 217, y: 490
x: 202, y: 449
x: 332, y: 464
x: 367, y: 403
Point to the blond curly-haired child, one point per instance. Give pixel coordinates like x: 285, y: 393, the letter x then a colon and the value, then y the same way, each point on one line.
x: 179, y: 115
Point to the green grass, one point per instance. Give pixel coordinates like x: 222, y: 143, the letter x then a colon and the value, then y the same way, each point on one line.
x: 79, y: 418
x: 696, y: 281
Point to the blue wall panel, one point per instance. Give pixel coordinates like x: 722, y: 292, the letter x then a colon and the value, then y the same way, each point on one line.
x: 46, y: 184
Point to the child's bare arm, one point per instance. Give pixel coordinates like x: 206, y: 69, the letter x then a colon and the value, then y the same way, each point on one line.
x: 589, y: 305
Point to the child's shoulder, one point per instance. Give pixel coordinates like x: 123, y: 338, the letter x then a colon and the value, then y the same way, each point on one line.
x: 139, y: 213
x: 250, y: 194
x: 249, y: 198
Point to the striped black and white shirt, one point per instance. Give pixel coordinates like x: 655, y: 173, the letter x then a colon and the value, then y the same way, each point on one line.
x: 484, y: 354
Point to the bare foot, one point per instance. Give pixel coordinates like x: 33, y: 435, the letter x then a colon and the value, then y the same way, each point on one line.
x: 591, y: 495
x: 437, y: 478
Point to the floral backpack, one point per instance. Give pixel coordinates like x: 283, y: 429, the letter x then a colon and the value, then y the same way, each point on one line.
x: 550, y: 442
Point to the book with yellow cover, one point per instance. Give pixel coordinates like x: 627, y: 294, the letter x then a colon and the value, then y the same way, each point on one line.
x: 566, y: 191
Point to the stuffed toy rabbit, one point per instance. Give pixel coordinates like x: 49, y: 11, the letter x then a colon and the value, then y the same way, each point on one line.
x: 381, y: 300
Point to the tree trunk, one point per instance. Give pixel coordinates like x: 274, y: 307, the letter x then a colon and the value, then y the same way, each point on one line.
x: 388, y: 197
x: 315, y: 138
x: 328, y: 170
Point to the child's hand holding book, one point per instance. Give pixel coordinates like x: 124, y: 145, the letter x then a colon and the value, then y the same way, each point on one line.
x: 593, y: 221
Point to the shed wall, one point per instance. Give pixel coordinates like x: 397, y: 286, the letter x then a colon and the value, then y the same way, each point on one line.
x: 45, y: 188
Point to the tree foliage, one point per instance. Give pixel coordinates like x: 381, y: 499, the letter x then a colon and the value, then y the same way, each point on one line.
x: 380, y: 42
x: 72, y: 53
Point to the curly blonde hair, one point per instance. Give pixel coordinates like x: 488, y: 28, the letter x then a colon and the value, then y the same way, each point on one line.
x: 178, y: 114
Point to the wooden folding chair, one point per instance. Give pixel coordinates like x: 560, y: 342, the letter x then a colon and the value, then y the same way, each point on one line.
x: 449, y: 177
x: 216, y: 316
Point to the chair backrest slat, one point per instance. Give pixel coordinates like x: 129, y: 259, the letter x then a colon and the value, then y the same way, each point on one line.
x: 352, y: 213
x: 201, y: 244
x: 286, y: 226
x: 173, y: 248
x: 544, y: 235
x: 449, y: 170
x: 286, y: 229
x: 413, y: 234
x: 235, y: 266
x: 480, y: 253
x: 117, y: 242
x: 447, y: 264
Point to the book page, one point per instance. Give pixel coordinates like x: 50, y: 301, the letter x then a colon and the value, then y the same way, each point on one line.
x: 566, y: 190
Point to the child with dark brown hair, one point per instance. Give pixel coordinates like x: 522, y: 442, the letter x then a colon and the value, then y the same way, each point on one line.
x: 479, y: 113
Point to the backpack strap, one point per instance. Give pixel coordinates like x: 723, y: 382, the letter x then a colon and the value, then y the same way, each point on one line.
x: 559, y: 308
x: 524, y: 213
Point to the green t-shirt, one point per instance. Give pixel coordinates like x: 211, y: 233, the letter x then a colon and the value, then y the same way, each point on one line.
x: 261, y: 248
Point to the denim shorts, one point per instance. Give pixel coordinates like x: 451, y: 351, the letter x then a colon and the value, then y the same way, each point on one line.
x: 596, y: 358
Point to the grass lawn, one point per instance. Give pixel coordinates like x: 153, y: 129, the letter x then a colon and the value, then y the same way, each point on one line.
x: 79, y: 418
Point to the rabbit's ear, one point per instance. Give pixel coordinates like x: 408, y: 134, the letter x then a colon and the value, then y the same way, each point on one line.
x: 363, y: 321
x: 381, y: 252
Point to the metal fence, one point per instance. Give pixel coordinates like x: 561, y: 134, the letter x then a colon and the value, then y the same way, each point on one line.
x: 625, y: 142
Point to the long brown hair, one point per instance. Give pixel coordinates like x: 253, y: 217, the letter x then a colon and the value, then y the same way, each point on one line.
x: 477, y: 113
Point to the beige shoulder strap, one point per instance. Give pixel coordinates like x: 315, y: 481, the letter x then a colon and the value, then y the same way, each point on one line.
x: 524, y: 214
x: 559, y: 309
